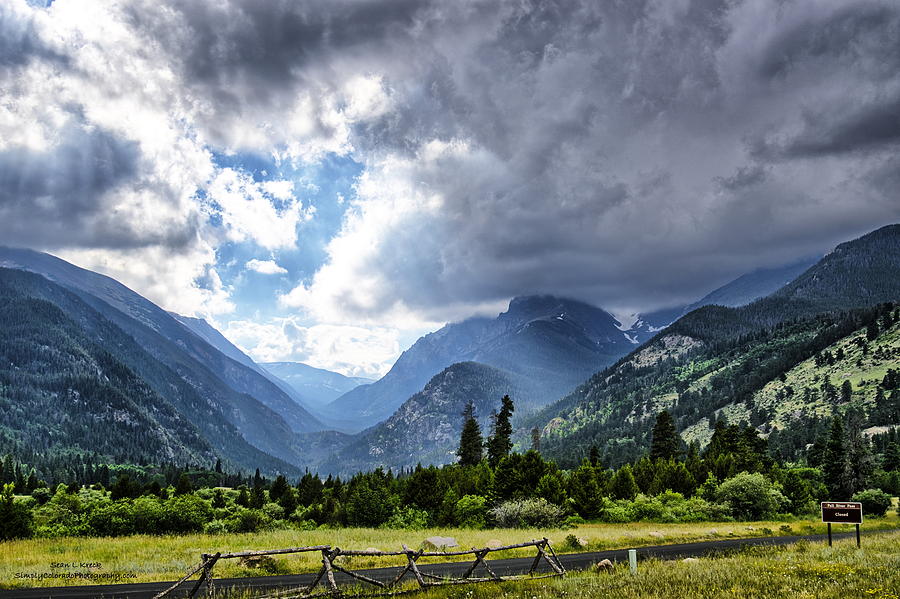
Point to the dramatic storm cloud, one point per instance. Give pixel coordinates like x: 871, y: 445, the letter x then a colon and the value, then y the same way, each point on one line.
x: 388, y: 166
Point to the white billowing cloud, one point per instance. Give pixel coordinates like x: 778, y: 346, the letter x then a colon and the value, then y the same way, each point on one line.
x: 265, y: 213
x: 392, y: 218
x: 266, y: 267
x: 192, y: 286
x: 350, y: 350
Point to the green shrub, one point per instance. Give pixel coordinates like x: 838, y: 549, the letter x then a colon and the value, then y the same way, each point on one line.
x: 185, y: 513
x: 471, y: 511
x: 273, y: 511
x: 246, y: 520
x: 41, y: 495
x: 15, y: 518
x: 875, y: 502
x: 751, y: 496
x: 215, y: 527
x: 524, y: 513
x: 407, y: 517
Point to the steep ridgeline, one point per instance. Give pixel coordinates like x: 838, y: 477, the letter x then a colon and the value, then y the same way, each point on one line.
x: 716, y: 358
x: 71, y: 380
x: 546, y: 344
x: 316, y: 386
x: 739, y: 292
x: 172, y: 343
x: 426, y: 428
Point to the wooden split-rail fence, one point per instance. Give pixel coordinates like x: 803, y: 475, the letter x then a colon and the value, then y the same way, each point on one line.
x: 324, y: 583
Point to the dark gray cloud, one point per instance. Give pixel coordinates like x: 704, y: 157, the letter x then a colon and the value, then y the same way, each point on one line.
x: 65, y: 195
x: 631, y: 154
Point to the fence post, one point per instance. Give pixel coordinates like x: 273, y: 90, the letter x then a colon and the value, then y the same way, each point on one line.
x: 632, y: 560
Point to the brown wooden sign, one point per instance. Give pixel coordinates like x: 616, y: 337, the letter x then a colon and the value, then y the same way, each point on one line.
x: 842, y: 512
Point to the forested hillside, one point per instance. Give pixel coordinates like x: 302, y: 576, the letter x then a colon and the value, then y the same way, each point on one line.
x: 75, y: 382
x: 715, y: 361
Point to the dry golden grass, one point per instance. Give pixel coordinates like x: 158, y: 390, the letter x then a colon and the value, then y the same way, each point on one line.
x: 146, y: 558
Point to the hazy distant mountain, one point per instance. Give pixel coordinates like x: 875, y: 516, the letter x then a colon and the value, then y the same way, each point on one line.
x: 739, y: 292
x: 548, y: 344
x: 315, y: 385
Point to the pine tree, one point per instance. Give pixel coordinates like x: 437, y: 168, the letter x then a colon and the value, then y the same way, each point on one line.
x: 891, y: 462
x: 872, y: 331
x: 666, y: 442
x: 279, y: 488
x: 834, y: 463
x: 470, y: 441
x: 846, y: 391
x: 536, y: 439
x: 500, y: 442
x: 860, y: 463
x: 623, y: 485
x: 594, y: 455
x: 183, y: 487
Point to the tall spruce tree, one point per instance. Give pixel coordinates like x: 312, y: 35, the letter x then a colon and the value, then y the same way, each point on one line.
x: 500, y: 442
x: 666, y: 443
x: 470, y: 441
x: 834, y: 463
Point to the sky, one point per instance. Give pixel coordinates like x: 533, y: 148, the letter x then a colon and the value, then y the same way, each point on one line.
x: 327, y: 180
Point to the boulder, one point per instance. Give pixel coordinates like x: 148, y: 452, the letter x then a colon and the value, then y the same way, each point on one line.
x: 605, y: 566
x: 656, y: 534
x: 690, y: 560
x: 494, y: 543
x: 372, y: 549
x: 439, y: 543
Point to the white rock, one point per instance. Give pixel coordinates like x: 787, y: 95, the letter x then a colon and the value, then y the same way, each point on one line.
x: 439, y: 543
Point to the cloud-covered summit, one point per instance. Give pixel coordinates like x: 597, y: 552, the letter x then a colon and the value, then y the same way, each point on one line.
x: 631, y: 154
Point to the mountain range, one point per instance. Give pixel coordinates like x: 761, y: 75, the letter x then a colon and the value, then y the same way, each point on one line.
x: 547, y: 345
x: 148, y: 384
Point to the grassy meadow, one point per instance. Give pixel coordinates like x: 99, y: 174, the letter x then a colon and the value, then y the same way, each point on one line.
x: 147, y: 558
x: 800, y: 571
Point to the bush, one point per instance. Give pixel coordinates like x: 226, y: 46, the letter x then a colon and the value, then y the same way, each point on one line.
x: 15, y: 518
x: 471, y: 511
x: 875, y: 502
x: 246, y: 520
x: 523, y: 513
x: 215, y: 527
x: 41, y: 495
x: 751, y: 496
x: 185, y: 513
x: 407, y: 517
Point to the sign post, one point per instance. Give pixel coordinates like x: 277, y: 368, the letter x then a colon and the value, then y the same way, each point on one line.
x: 842, y: 512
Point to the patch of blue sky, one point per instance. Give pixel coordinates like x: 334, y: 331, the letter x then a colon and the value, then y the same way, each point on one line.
x: 328, y: 187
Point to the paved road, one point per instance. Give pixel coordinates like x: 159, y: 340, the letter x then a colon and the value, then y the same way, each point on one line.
x: 504, y: 567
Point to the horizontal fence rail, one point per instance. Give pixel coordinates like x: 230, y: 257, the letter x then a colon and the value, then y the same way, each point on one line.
x: 324, y: 582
